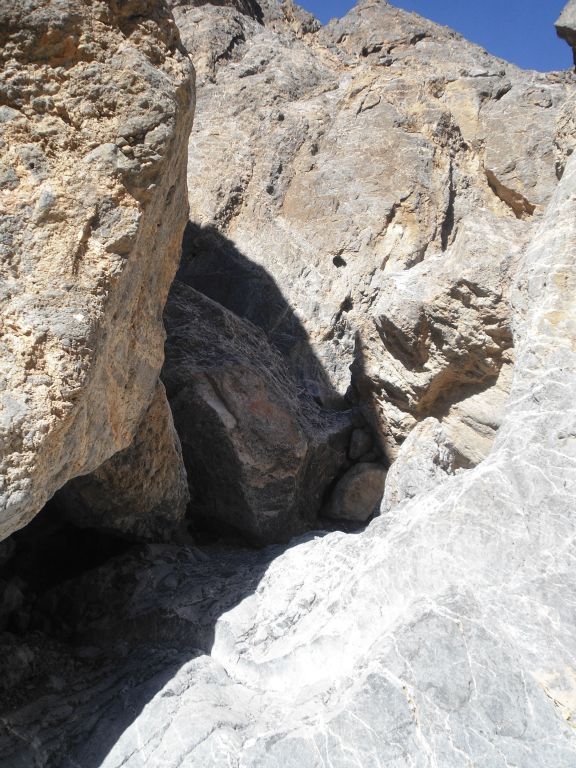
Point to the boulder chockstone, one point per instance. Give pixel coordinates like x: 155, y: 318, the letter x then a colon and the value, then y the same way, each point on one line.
x: 259, y: 452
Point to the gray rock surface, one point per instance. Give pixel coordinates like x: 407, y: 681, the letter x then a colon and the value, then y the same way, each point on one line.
x: 426, y: 458
x: 357, y: 495
x: 97, y: 102
x: 443, y: 635
x: 259, y: 452
x: 377, y: 159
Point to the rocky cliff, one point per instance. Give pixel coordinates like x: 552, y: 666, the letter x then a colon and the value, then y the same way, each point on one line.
x: 96, y: 107
x: 376, y: 297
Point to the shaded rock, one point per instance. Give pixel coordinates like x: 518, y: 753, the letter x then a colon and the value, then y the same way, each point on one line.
x: 97, y: 104
x: 566, y: 26
x: 357, y: 495
x: 259, y: 453
x: 141, y: 491
x: 361, y: 443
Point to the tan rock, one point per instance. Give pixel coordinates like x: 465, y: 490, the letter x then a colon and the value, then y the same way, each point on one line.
x: 97, y: 103
x: 382, y: 175
x: 357, y: 495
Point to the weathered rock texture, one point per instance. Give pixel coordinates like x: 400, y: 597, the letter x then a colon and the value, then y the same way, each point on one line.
x: 385, y: 174
x: 426, y: 459
x: 566, y: 26
x: 141, y: 491
x: 260, y: 453
x: 443, y: 635
x: 96, y: 106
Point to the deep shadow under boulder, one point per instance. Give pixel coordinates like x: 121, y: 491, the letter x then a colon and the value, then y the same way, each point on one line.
x: 260, y: 452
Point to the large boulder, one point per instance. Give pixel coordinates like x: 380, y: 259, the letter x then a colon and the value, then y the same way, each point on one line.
x: 97, y: 102
x: 260, y: 453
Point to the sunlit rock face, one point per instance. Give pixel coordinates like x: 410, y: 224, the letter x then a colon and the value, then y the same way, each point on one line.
x: 443, y: 635
x: 97, y: 102
x: 386, y: 174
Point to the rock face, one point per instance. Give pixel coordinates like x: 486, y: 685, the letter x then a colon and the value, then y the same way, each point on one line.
x: 442, y: 635
x: 141, y: 491
x: 259, y: 453
x: 566, y: 26
x: 397, y: 171
x: 97, y: 103
x: 441, y: 267
x: 426, y: 459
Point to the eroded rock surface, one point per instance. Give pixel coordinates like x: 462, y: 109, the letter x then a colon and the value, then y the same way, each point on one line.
x: 97, y: 103
x: 443, y: 635
x: 378, y: 163
x: 141, y: 491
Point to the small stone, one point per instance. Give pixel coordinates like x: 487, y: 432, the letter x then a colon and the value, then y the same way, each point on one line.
x: 358, y: 494
x: 360, y: 444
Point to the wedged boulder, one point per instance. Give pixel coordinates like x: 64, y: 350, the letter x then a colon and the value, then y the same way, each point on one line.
x: 97, y: 103
x: 357, y: 495
x: 259, y: 452
x: 141, y: 491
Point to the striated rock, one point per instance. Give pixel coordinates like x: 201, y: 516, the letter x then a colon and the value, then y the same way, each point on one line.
x: 356, y: 166
x: 259, y: 453
x: 141, y: 491
x: 96, y: 109
x: 442, y: 343
x: 444, y: 634
x: 566, y: 26
x: 357, y: 495
x: 426, y: 459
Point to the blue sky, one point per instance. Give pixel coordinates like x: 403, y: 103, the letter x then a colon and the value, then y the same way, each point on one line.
x: 521, y: 31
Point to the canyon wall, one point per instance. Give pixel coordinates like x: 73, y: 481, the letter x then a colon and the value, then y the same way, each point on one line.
x: 376, y: 297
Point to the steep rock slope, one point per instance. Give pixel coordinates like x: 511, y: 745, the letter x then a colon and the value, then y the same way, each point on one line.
x: 384, y: 174
x: 96, y: 104
x: 443, y: 635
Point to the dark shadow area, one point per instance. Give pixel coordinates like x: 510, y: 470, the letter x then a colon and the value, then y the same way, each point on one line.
x: 100, y: 629
x: 92, y: 626
x: 214, y: 266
